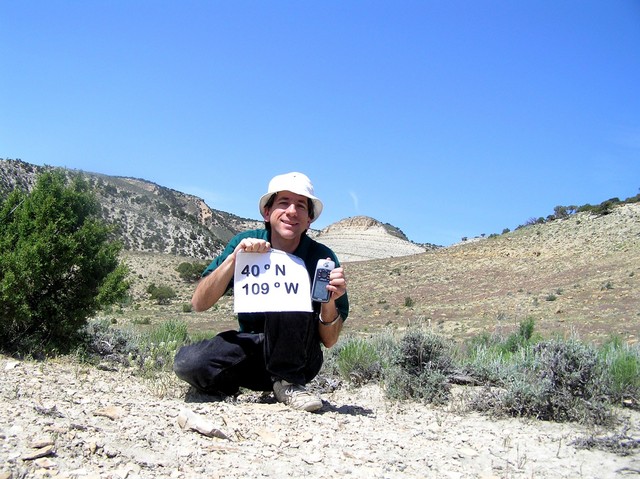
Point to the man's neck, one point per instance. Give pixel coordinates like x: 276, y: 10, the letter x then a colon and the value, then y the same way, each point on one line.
x: 286, y: 245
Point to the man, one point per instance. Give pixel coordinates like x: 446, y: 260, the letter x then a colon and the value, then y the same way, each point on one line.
x: 277, y: 351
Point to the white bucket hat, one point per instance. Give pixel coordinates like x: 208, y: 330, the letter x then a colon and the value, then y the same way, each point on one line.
x: 297, y: 183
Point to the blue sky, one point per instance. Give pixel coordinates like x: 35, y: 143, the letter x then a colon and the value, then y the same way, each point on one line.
x: 444, y: 118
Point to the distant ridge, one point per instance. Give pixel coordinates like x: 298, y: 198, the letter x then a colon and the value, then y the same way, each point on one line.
x: 150, y: 218
x: 146, y: 217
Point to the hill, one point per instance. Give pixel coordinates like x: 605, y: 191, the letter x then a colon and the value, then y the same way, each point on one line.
x: 577, y: 274
x: 364, y: 238
x: 580, y: 274
x: 146, y: 217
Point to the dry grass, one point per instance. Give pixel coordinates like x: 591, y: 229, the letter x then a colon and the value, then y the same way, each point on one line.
x: 576, y: 276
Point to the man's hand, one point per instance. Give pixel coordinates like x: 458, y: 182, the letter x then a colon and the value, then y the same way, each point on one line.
x: 253, y: 245
x: 337, y: 283
x: 211, y: 288
x: 329, y: 329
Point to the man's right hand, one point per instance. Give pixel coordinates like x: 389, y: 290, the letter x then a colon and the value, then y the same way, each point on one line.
x: 253, y: 245
x: 211, y: 288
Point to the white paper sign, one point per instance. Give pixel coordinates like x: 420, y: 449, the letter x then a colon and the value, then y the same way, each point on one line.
x: 274, y: 281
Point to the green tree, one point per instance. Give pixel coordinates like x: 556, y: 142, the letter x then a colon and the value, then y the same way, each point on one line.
x: 57, y: 265
x: 162, y: 294
x: 190, y: 272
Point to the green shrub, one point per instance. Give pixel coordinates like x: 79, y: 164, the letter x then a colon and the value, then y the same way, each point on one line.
x: 162, y: 294
x: 358, y: 361
x: 190, y: 272
x: 490, y: 365
x: 149, y: 351
x: 171, y: 330
x: 519, y: 340
x: 430, y: 386
x: 420, y: 366
x: 159, y: 346
x: 555, y: 381
x: 603, y: 208
x: 622, y: 372
x: 103, y: 341
x: 493, y: 347
x: 57, y: 265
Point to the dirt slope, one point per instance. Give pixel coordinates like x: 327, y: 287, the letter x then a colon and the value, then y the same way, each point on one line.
x: 578, y: 275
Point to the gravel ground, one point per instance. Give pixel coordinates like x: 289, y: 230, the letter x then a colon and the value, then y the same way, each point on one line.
x: 68, y: 420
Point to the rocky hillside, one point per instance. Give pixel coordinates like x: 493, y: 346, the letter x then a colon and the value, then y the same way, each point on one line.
x: 364, y: 238
x: 153, y: 219
x: 147, y: 217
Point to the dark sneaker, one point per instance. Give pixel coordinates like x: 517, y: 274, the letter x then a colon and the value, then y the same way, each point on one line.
x: 296, y: 396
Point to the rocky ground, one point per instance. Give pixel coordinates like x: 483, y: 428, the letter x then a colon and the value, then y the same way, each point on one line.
x: 65, y: 419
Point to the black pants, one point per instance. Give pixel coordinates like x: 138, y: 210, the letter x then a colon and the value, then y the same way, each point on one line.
x: 288, y: 349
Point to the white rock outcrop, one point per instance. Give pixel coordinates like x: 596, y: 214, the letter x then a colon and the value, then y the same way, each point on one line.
x: 362, y: 238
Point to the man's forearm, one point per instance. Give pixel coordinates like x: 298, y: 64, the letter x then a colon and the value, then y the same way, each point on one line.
x: 330, y: 324
x: 211, y: 288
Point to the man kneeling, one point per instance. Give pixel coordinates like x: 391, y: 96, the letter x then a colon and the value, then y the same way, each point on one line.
x: 277, y: 351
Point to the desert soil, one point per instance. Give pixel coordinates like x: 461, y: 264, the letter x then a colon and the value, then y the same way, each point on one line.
x: 64, y: 419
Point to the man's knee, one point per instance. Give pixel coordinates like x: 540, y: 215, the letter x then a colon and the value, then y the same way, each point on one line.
x: 184, y: 364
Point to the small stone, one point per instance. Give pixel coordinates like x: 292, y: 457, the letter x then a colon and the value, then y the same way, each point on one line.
x: 190, y: 420
x: 9, y: 365
x: 42, y: 442
x: 269, y: 437
x: 42, y: 452
x: 45, y: 463
x: 48, y: 410
x: 467, y: 452
x: 92, y: 447
x: 128, y: 470
x: 110, y: 451
x: 111, y: 412
x: 313, y: 458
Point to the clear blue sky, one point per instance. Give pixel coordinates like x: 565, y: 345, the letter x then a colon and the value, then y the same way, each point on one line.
x: 444, y: 118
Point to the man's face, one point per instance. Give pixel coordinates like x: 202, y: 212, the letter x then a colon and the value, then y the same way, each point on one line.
x: 289, y: 215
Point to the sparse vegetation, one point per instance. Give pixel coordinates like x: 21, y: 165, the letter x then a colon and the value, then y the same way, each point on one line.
x: 622, y: 367
x: 562, y: 212
x: 523, y: 374
x: 358, y: 361
x: 419, y: 367
x: 553, y: 380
